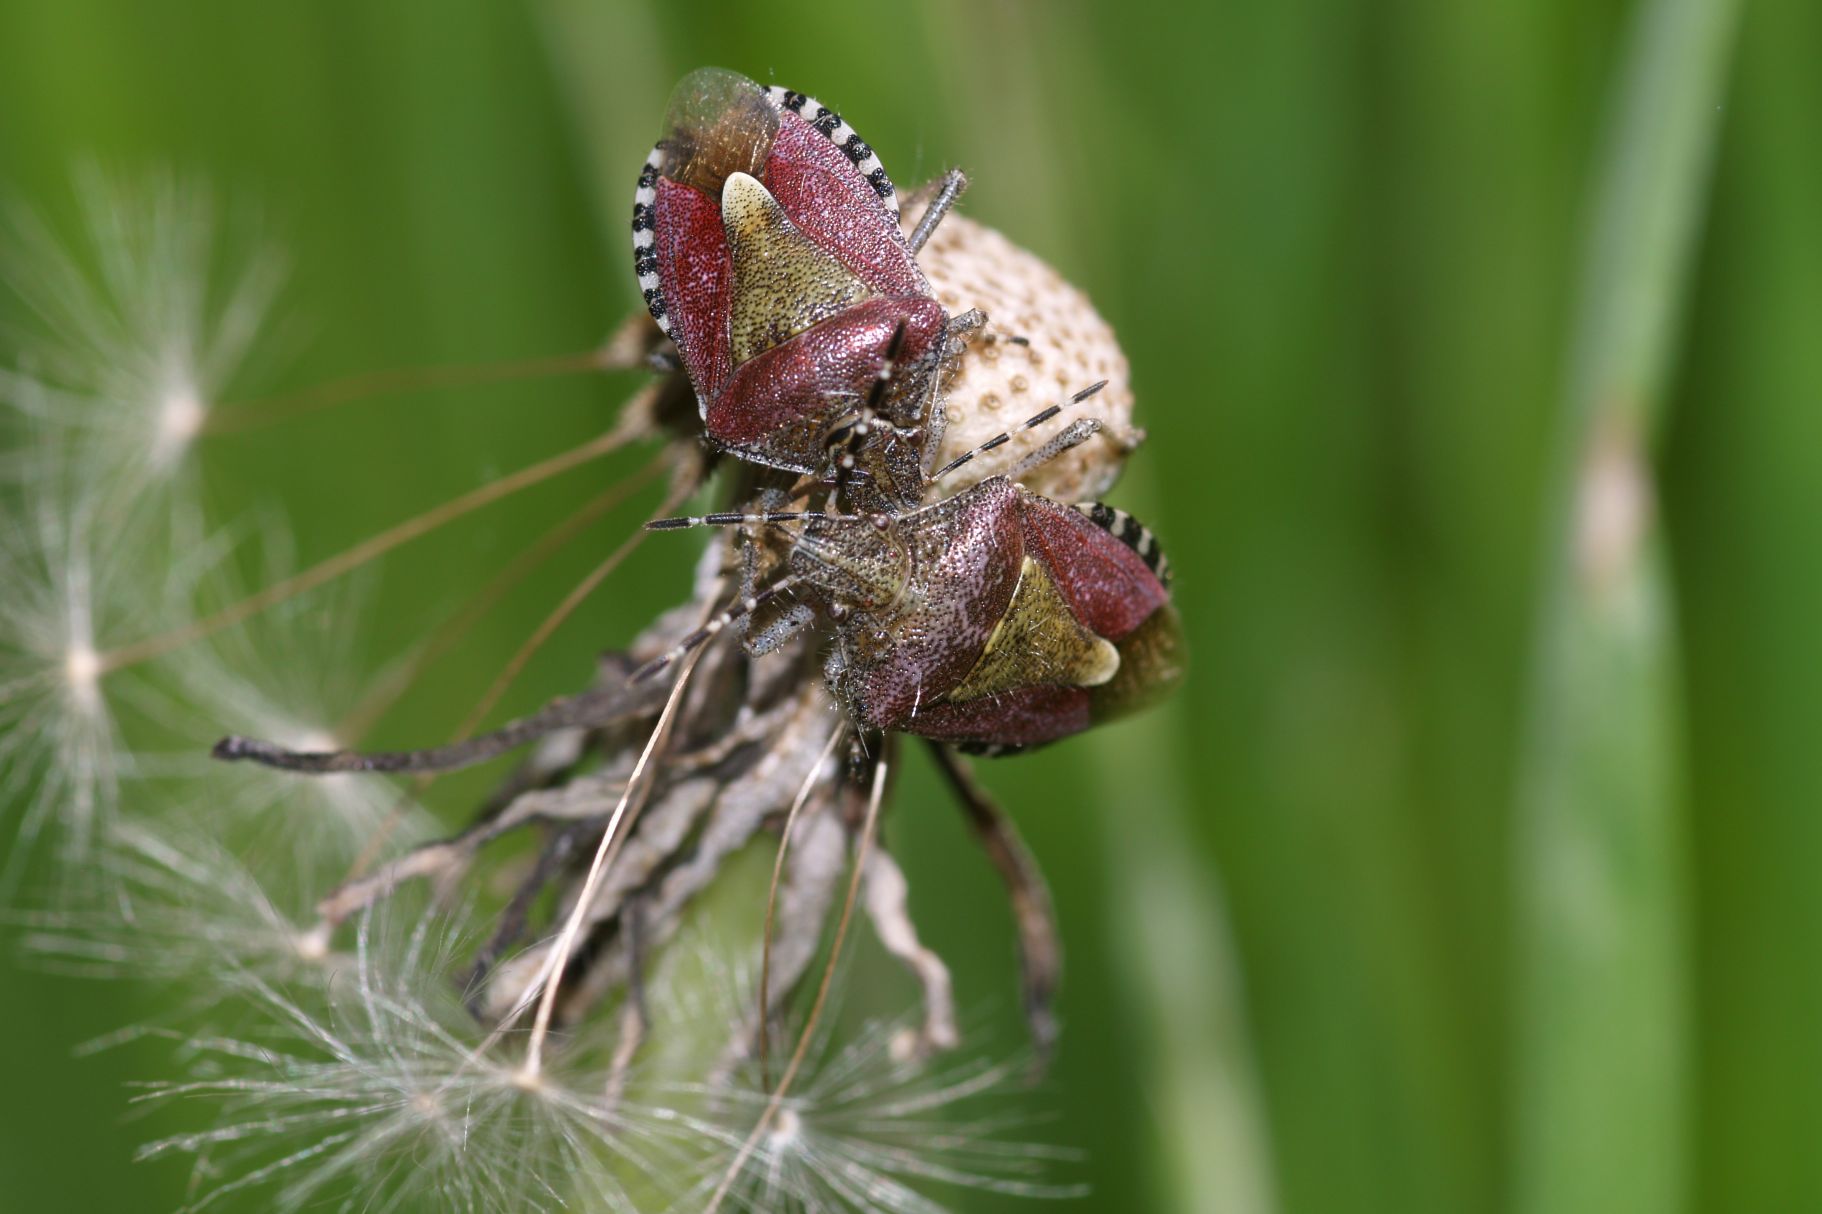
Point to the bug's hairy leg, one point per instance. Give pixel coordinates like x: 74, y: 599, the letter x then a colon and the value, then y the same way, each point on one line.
x: 776, y: 634
x: 947, y: 193
x: 1073, y: 435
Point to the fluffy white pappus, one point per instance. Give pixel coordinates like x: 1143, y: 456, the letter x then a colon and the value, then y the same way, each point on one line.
x: 289, y: 675
x: 390, y: 1097
x: 140, y: 319
x: 72, y: 586
x: 868, y: 1127
x: 174, y: 906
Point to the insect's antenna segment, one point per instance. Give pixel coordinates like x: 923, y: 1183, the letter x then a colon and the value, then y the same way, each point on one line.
x: 711, y: 629
x: 748, y: 520
x: 1005, y: 436
x: 1073, y: 435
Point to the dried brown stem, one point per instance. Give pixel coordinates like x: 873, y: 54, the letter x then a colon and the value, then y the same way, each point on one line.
x: 1040, y: 945
x: 587, y: 710
x: 771, y: 902
x: 868, y: 825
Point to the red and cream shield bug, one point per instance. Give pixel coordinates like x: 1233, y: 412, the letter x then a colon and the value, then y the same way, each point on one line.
x: 995, y: 619
x: 767, y: 245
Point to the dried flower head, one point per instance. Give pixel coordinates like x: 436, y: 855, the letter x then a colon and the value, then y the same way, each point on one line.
x: 1063, y: 345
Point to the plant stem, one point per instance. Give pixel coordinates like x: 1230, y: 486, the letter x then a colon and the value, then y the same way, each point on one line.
x: 1602, y: 1037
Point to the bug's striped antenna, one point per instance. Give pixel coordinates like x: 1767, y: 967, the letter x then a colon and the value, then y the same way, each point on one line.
x: 713, y: 628
x: 1005, y: 436
x: 736, y: 519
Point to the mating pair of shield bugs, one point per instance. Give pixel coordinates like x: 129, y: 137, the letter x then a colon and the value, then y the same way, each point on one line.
x: 768, y: 245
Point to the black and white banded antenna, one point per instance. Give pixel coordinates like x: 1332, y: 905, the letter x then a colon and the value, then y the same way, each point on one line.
x: 1078, y: 432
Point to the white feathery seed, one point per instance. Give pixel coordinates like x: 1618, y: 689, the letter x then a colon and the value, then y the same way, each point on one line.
x: 173, y: 905
x: 868, y: 1128
x: 379, y: 1102
x: 135, y: 325
x: 69, y: 592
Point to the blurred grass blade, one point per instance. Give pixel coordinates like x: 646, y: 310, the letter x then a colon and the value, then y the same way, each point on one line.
x: 1210, y: 1136
x: 1603, y: 1042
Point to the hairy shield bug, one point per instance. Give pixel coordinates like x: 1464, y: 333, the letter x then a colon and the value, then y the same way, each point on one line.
x: 995, y: 619
x: 767, y: 244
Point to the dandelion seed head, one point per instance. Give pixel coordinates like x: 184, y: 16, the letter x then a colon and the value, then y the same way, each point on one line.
x: 139, y: 317
x: 171, y: 904
x: 787, y: 1127
x: 180, y: 419
x: 82, y: 669
x: 282, y: 675
x: 62, y: 753
x: 866, y: 1130
x: 313, y: 945
x: 863, y: 1127
x: 387, y: 1096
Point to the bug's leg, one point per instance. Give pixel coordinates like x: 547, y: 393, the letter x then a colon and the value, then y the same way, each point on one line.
x: 845, y: 441
x: 710, y: 630
x: 1035, y: 420
x: 964, y: 325
x: 1040, y: 945
x: 794, y: 619
x: 1073, y: 435
x: 962, y: 328
x: 953, y: 183
x: 554, y: 857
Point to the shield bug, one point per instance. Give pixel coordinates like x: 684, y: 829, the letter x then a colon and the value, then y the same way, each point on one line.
x: 995, y: 619
x: 767, y: 244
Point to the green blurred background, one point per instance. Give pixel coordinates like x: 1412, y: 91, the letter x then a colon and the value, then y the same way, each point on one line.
x: 1345, y: 244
